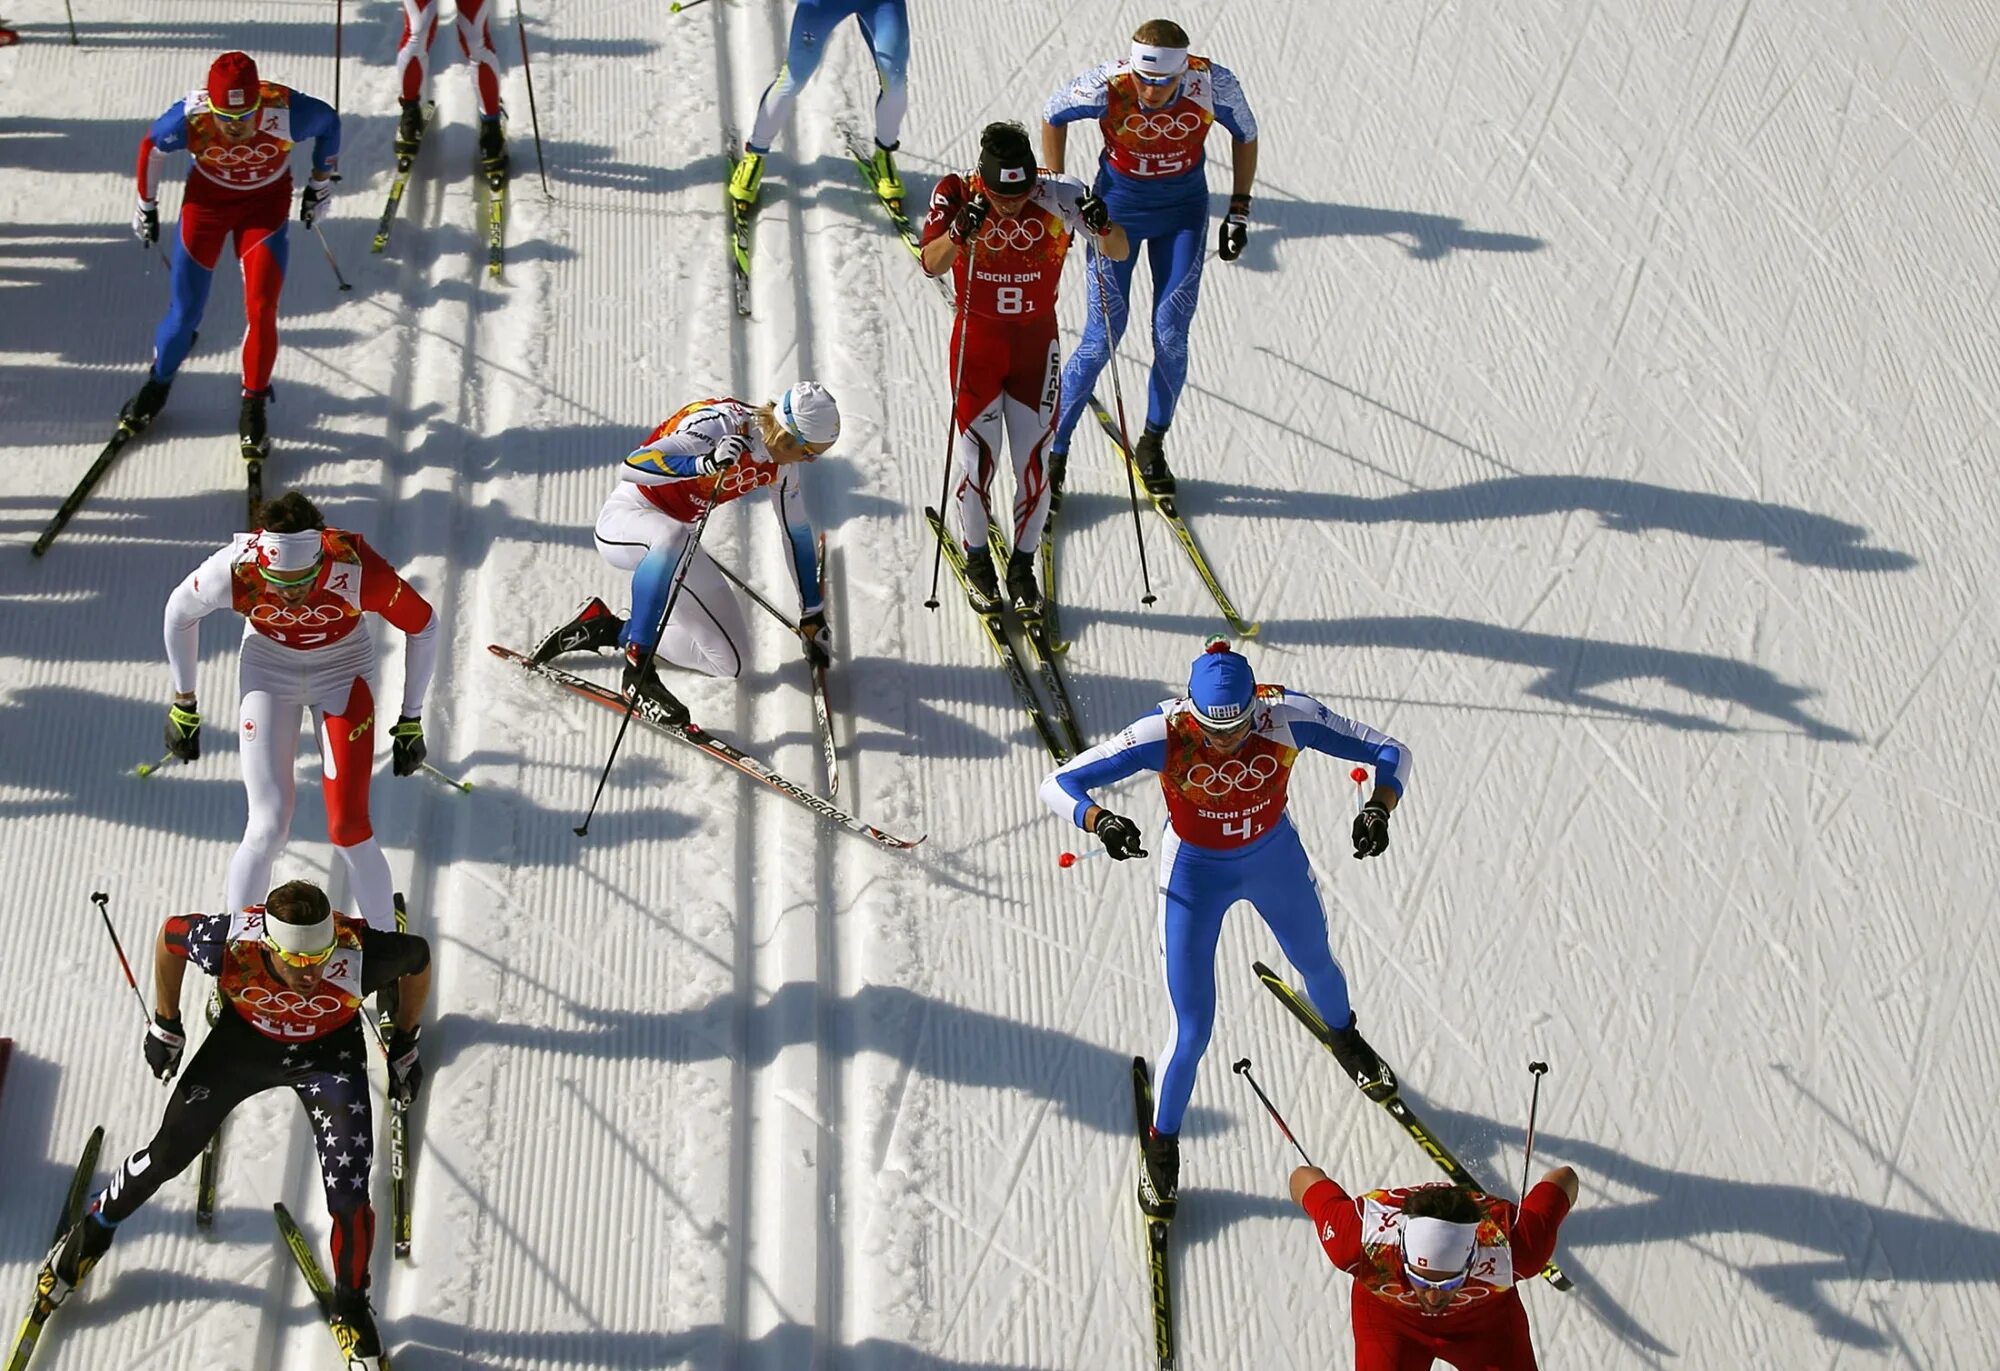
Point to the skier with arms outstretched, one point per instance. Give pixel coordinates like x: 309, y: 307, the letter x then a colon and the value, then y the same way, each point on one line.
x: 1224, y: 753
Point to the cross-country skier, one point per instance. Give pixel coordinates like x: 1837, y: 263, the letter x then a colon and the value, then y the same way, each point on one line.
x: 292, y: 974
x: 885, y: 25
x: 706, y: 453
x: 1435, y: 1267
x: 413, y: 71
x: 1224, y: 754
x: 1155, y: 107
x: 1003, y: 233
x: 240, y: 130
x: 302, y: 588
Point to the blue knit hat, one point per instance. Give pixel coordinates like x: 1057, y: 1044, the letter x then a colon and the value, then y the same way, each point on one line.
x: 1222, y: 686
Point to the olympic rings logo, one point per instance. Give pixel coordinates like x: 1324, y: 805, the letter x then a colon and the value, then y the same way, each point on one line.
x: 1147, y: 127
x: 298, y: 616
x: 743, y: 478
x: 246, y: 154
x: 1234, y: 774
x: 1018, y: 234
x: 290, y: 1002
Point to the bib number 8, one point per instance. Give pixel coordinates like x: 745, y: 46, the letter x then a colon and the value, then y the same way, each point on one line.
x: 1010, y: 300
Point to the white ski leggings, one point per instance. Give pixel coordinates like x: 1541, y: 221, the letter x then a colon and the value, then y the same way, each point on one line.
x: 706, y: 631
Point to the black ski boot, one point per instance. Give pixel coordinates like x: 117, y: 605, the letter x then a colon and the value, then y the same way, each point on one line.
x: 1160, y: 1176
x: 1151, y: 455
x: 353, y: 1324
x: 409, y: 132
x: 1058, y: 469
x: 1361, y: 1064
x: 70, y: 1260
x: 145, y: 406
x: 250, y: 430
x: 593, y: 629
x: 641, y: 683
x: 1021, y: 587
x: 493, y: 151
x: 982, y: 582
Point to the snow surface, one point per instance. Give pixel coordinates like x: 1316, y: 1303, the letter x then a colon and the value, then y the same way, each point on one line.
x: 1604, y: 405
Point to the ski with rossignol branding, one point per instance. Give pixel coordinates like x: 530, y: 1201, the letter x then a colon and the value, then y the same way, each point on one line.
x: 1385, y: 1093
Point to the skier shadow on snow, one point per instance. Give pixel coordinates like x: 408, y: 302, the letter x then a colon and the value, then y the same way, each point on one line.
x: 435, y: 1344
x: 1423, y: 237
x: 1574, y: 671
x: 946, y: 1042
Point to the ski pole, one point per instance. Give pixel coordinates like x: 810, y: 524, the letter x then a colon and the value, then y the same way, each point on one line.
x: 72, y: 22
x: 680, y: 5
x: 582, y: 830
x: 103, y: 903
x: 464, y: 786
x: 145, y: 769
x: 951, y: 419
x: 1097, y: 273
x: 1067, y: 860
x: 1242, y: 1068
x: 534, y: 118
x: 762, y: 603
x: 327, y: 248
x: 339, y: 26
x: 1537, y: 1070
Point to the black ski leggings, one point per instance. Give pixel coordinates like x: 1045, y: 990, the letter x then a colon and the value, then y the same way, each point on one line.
x: 235, y: 1061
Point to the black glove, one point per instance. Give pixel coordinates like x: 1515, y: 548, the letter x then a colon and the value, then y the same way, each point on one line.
x: 1119, y: 835
x: 1371, y: 831
x: 971, y: 217
x: 165, y: 1040
x: 1235, y: 230
x: 146, y: 222
x: 406, y: 1071
x: 313, y: 201
x: 184, y: 731
x: 727, y: 454
x: 818, y: 639
x: 406, y: 745
x: 1096, y: 215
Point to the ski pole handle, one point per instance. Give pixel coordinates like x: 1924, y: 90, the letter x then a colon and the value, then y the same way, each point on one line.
x: 103, y: 903
x: 1242, y: 1068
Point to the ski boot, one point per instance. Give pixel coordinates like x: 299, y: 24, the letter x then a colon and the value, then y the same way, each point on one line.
x: 250, y: 429
x: 492, y: 151
x: 888, y: 185
x: 409, y: 133
x: 1150, y: 454
x: 1021, y: 587
x: 145, y: 406
x: 593, y: 629
x: 353, y: 1324
x: 982, y: 584
x: 1360, y: 1063
x: 71, y: 1259
x: 643, y: 685
x: 1058, y: 470
x: 747, y: 179
x: 1160, y: 1176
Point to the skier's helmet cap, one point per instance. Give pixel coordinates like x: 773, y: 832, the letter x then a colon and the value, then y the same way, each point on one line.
x: 1156, y: 65
x: 1221, y: 687
x: 288, y: 559
x: 1006, y: 159
x: 808, y: 412
x: 233, y: 87
x: 1437, y: 1254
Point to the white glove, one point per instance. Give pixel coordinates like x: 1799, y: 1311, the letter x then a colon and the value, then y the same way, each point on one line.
x: 313, y: 202
x: 146, y: 222
x: 728, y: 453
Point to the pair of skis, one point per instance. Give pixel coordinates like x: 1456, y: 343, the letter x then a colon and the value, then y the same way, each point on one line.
x: 1056, y: 722
x: 701, y: 740
x: 496, y: 200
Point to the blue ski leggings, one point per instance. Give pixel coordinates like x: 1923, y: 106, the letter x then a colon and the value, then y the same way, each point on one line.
x: 886, y: 26
x: 1197, y: 887
x: 1175, y: 244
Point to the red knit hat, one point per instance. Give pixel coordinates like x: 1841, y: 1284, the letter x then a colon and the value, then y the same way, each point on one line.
x: 233, y: 87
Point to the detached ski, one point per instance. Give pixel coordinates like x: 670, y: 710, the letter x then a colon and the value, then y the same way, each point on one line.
x: 1182, y: 534
x: 822, y: 700
x: 739, y: 226
x: 120, y: 436
x: 72, y: 1210
x: 404, y: 165
x: 211, y: 1154
x: 899, y: 218
x: 1037, y: 632
x: 316, y: 1281
x: 1003, y: 646
x: 399, y: 1132
x: 701, y: 740
x: 1159, y: 1267
x: 1385, y: 1094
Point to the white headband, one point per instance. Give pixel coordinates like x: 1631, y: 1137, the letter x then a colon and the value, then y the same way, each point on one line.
x: 300, y: 939
x: 1149, y: 59
x: 1437, y: 1247
x: 286, y: 553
